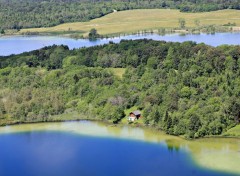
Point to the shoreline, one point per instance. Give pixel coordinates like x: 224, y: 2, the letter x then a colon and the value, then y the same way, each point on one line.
x: 121, y: 124
x: 150, y: 135
x: 75, y: 43
x: 157, y: 31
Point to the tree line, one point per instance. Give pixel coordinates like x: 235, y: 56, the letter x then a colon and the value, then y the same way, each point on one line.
x: 18, y: 14
x: 182, y: 88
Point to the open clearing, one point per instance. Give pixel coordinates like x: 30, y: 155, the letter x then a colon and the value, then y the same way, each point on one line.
x: 118, y: 71
x: 235, y: 131
x: 135, y: 20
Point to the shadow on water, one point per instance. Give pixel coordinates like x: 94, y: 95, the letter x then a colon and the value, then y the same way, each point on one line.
x: 171, y: 147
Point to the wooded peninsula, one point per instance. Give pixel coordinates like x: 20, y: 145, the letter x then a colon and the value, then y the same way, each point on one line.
x: 182, y: 88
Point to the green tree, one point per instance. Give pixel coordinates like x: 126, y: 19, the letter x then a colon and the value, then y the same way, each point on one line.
x: 2, y: 31
x: 182, y: 23
x: 185, y: 92
x: 168, y: 123
x: 168, y: 62
x: 152, y: 62
x: 194, y: 123
x: 2, y: 108
x: 93, y: 34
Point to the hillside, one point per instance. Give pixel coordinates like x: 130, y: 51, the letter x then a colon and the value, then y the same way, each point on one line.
x: 18, y: 14
x: 147, y: 19
x: 182, y: 88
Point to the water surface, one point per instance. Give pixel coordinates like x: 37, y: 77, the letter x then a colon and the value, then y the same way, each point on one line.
x: 19, y: 44
x: 93, y: 148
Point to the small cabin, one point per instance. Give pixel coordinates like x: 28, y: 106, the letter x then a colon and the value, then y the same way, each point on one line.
x: 135, y: 115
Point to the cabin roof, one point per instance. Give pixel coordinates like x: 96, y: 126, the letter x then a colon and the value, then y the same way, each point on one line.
x: 137, y: 112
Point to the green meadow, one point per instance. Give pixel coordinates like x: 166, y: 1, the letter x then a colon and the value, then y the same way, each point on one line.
x: 130, y: 21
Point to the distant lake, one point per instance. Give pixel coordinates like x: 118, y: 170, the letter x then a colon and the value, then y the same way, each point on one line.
x: 91, y: 148
x: 19, y: 44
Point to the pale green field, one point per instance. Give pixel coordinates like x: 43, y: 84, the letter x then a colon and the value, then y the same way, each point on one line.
x: 138, y: 20
x: 118, y: 71
x: 235, y: 131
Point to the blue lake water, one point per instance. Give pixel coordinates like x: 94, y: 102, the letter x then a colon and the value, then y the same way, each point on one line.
x: 85, y: 148
x: 63, y: 154
x: 19, y: 44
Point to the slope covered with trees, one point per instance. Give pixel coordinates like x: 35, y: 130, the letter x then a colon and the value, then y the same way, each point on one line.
x: 182, y: 88
x: 17, y: 14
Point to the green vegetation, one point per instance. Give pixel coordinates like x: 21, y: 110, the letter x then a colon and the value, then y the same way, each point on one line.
x: 2, y: 31
x: 93, y: 35
x: 235, y: 131
x: 147, y: 20
x: 182, y: 88
x: 17, y: 14
x: 119, y: 72
x: 182, y: 23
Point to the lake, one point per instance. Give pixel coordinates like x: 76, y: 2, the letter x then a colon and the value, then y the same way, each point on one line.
x: 18, y: 44
x: 94, y: 148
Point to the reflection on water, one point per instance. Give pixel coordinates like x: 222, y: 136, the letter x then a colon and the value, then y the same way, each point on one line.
x: 213, y: 153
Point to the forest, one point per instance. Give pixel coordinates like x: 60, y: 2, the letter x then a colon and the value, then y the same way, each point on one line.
x: 18, y: 14
x: 182, y: 88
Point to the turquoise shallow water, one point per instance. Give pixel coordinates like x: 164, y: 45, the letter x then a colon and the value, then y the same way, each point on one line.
x: 50, y: 153
x: 19, y: 44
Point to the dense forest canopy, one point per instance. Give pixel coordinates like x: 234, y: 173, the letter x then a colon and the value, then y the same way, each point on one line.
x: 17, y: 14
x: 182, y: 88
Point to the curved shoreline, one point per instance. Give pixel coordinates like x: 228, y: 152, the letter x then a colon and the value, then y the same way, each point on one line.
x: 116, y: 35
x: 202, y: 151
x: 117, y: 125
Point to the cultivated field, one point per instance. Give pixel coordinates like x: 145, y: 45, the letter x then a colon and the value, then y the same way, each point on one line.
x: 135, y: 20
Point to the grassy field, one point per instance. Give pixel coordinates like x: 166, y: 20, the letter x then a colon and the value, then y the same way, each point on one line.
x: 135, y: 20
x: 234, y: 131
x: 118, y: 71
